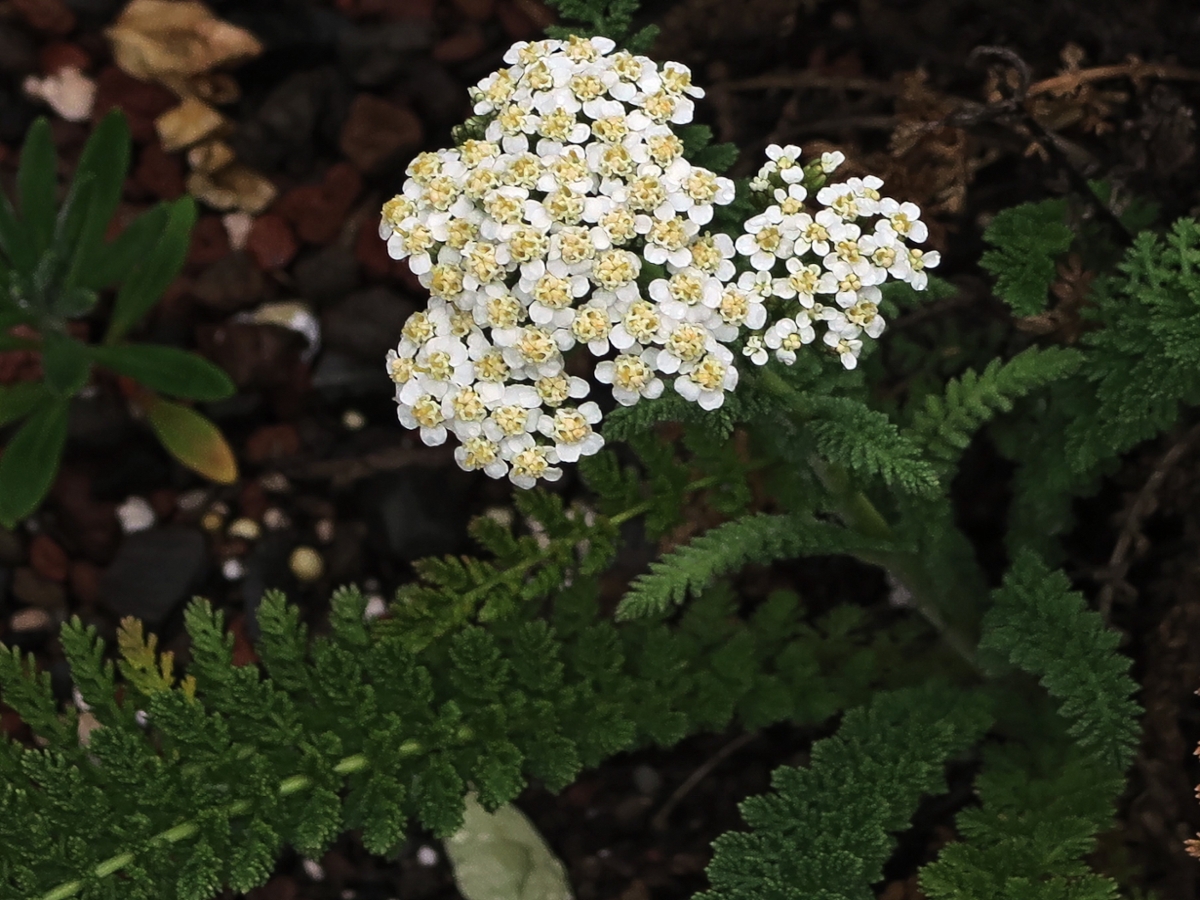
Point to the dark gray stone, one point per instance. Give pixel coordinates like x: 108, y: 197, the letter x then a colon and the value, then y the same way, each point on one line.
x: 329, y: 274
x: 375, y: 55
x: 417, y: 512
x: 366, y: 324
x: 337, y: 374
x: 154, y: 572
x: 18, y: 54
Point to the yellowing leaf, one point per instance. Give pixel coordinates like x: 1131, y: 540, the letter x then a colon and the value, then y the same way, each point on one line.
x: 191, y: 438
x: 140, y: 663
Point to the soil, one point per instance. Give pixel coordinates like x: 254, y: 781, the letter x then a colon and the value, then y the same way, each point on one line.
x: 342, y: 95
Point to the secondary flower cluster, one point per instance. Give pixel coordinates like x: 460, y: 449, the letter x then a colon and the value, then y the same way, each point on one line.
x: 573, y: 220
x: 829, y: 258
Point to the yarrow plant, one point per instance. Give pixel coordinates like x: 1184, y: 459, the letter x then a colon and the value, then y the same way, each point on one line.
x: 575, y: 229
x: 596, y: 281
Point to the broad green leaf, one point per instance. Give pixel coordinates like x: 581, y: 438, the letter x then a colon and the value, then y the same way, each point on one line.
x: 192, y: 439
x: 19, y: 400
x: 36, y: 180
x: 501, y: 856
x: 167, y: 369
x: 66, y: 363
x: 145, y: 286
x: 14, y: 242
x: 104, y: 162
x: 30, y: 461
x: 114, y: 261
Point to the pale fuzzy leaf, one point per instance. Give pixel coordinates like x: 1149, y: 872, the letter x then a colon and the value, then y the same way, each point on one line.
x: 501, y: 856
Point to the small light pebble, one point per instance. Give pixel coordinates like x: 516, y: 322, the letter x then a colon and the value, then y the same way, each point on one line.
x: 646, y: 779
x: 135, y: 514
x: 275, y: 483
x: 237, y: 226
x: 353, y: 420
x: 77, y: 699
x: 25, y: 621
x: 314, y: 870
x: 232, y: 569
x: 190, y: 501
x: 427, y: 856
x: 246, y: 529
x: 275, y: 519
x: 376, y: 607
x: 324, y: 529
x: 348, y: 894
x: 212, y: 521
x: 306, y: 564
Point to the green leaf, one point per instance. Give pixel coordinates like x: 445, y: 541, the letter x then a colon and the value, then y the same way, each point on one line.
x: 114, y: 261
x: 66, y: 363
x: 19, y: 400
x: 14, y: 240
x: 144, y: 288
x: 103, y: 163
x: 1027, y: 238
x: 193, y: 440
x: 167, y: 369
x: 36, y: 179
x: 30, y: 461
x: 717, y: 157
x: 501, y: 856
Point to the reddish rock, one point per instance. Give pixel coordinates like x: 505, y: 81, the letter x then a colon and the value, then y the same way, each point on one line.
x: 476, y: 10
x: 141, y: 101
x: 84, y: 579
x: 371, y: 252
x: 48, y: 16
x: 59, y: 55
x: 522, y: 20
x: 11, y: 724
x: 318, y: 211
x: 466, y: 44
x: 255, y: 356
x: 243, y: 650
x: 231, y: 283
x: 93, y: 524
x: 158, y: 173
x: 210, y: 242
x: 47, y: 558
x: 163, y: 502
x: 271, y: 442
x: 376, y: 131
x: 253, y: 500
x: 271, y: 242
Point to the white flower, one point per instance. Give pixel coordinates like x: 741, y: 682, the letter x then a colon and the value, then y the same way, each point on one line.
x: 572, y: 433
x: 786, y: 162
x: 706, y: 383
x: 847, y: 348
x: 764, y: 242
x: 787, y: 336
x: 530, y: 462
x: 831, y: 160
x: 632, y: 377
x: 754, y: 350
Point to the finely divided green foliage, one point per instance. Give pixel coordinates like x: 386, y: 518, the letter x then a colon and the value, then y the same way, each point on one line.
x: 1144, y: 359
x: 944, y: 427
x: 870, y: 445
x: 1038, y: 816
x: 1046, y: 629
x: 356, y: 729
x: 826, y: 830
x: 603, y: 18
x: 732, y: 546
x: 1026, y: 238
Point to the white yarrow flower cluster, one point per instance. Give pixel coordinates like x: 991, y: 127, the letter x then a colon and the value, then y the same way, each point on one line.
x: 826, y: 259
x: 573, y: 226
x: 532, y: 241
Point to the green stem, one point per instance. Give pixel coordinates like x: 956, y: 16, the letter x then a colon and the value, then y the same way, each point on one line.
x: 860, y: 514
x: 185, y: 830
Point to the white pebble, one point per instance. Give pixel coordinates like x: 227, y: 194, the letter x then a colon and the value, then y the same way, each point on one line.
x: 275, y: 482
x: 353, y: 420
x: 376, y: 607
x: 306, y: 564
x: 135, y: 514
x: 246, y: 529
x: 275, y: 519
x: 314, y: 870
x: 24, y: 621
x: 237, y: 226
x: 232, y: 569
x: 192, y: 500
x: 427, y: 856
x: 324, y: 530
